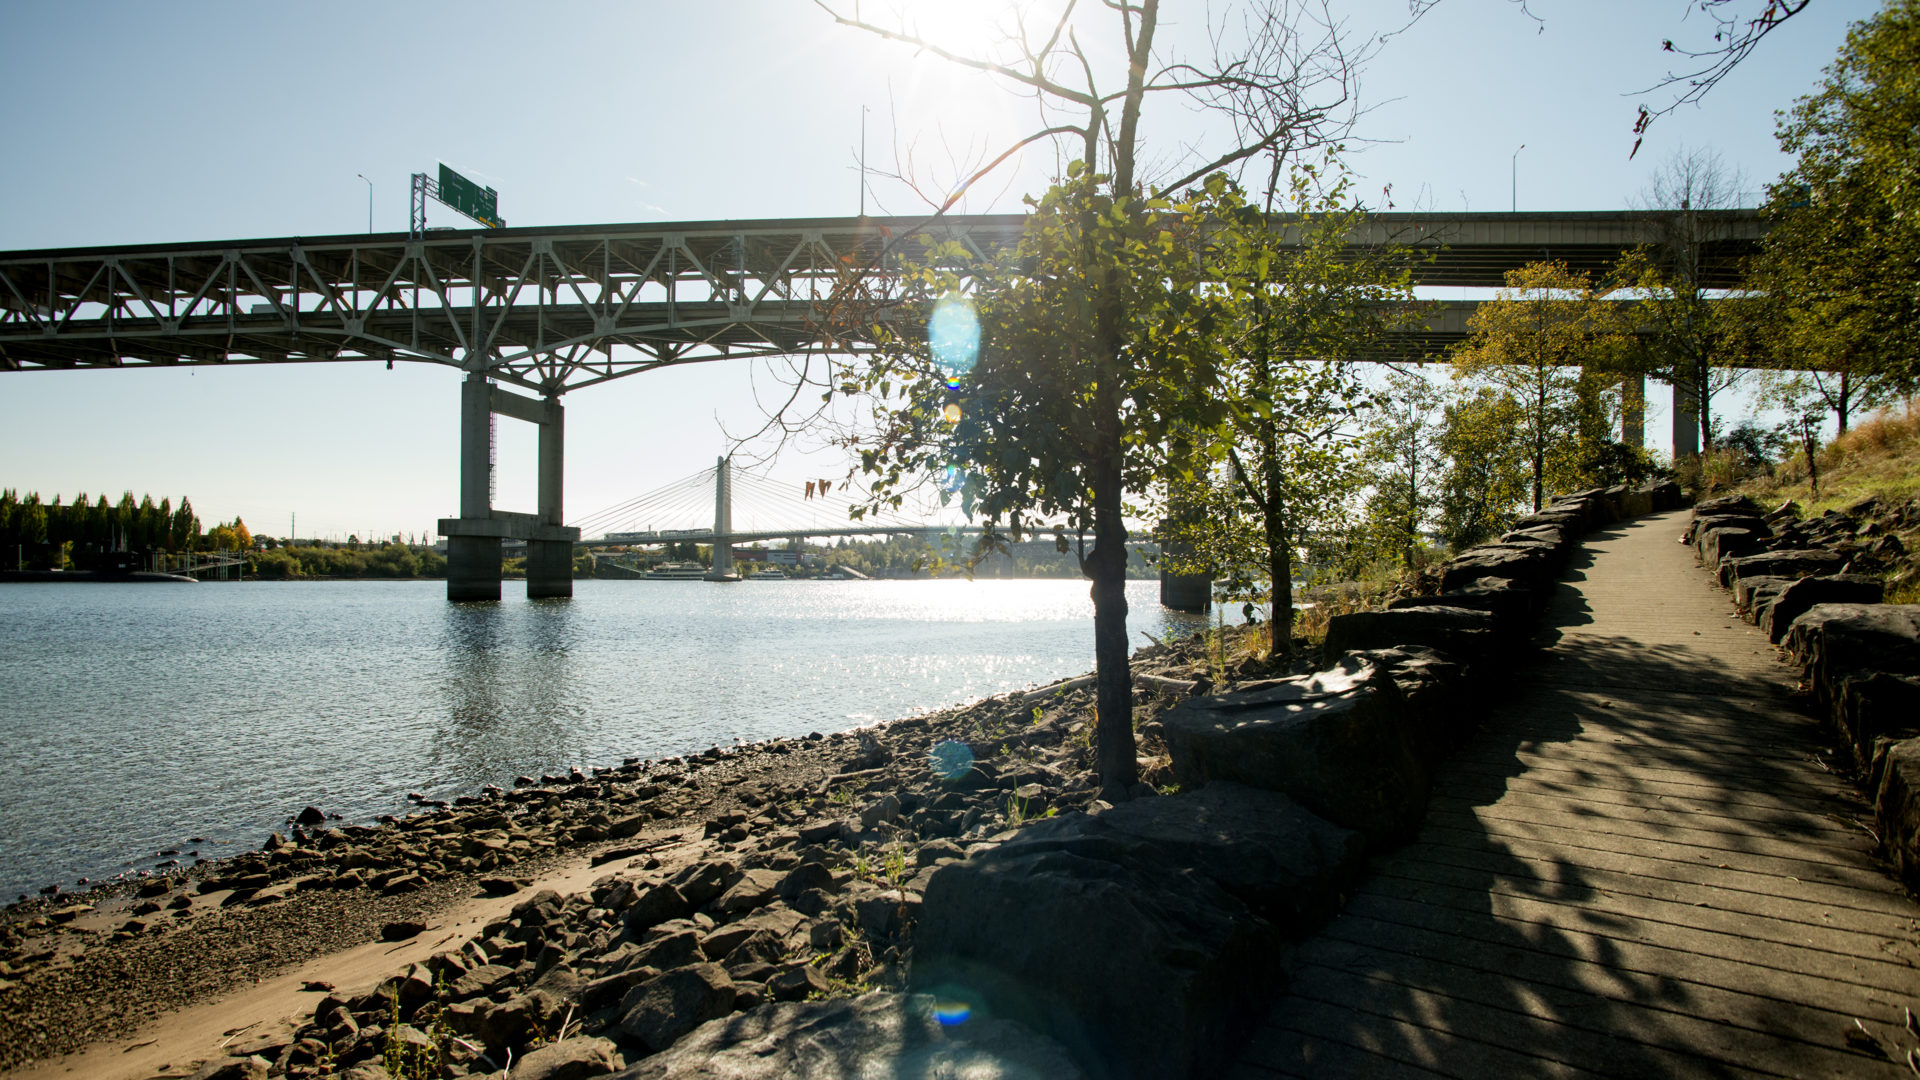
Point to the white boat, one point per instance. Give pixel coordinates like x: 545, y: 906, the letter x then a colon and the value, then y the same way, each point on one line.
x: 766, y: 573
x: 677, y: 571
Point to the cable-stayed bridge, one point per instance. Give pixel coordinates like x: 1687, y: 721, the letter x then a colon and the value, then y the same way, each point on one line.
x: 744, y: 508
x: 552, y: 310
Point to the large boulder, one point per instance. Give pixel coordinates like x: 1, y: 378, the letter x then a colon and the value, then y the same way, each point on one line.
x: 1720, y: 540
x: 1289, y: 865
x: 1745, y: 592
x: 1794, y: 598
x: 1806, y: 562
x: 1896, y: 809
x: 1531, y: 567
x: 665, y: 1007
x: 1662, y: 495
x: 1873, y: 708
x: 1433, y: 688
x: 1465, y: 634
x: 1338, y: 742
x: 1142, y: 969
x: 1833, y: 641
x: 578, y: 1058
x: 879, y: 1036
x: 1636, y: 502
x: 1512, y: 605
x: 1558, y: 536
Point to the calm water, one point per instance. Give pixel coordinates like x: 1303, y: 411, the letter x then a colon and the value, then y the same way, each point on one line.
x: 136, y: 717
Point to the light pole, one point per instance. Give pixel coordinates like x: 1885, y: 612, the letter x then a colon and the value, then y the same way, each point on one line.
x: 363, y: 176
x: 1513, y: 179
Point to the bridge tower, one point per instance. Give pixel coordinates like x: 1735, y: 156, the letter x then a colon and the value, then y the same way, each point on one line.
x: 473, y: 538
x: 722, y: 523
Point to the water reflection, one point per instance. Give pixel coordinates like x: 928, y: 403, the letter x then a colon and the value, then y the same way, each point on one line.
x: 217, y: 711
x: 510, y: 696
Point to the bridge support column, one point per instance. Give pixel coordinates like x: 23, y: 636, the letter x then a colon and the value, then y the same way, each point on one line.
x: 473, y: 560
x: 722, y: 524
x: 473, y: 538
x: 1182, y: 592
x: 550, y: 562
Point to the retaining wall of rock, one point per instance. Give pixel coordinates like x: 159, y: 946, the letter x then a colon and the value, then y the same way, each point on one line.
x: 1149, y: 938
x: 1816, y: 586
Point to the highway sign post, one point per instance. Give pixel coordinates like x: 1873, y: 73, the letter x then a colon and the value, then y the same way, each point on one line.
x: 477, y: 202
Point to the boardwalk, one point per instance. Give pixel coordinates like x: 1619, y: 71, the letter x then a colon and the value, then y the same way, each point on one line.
x: 1638, y: 868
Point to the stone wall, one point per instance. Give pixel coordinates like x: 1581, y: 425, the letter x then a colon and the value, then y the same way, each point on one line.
x: 1816, y: 585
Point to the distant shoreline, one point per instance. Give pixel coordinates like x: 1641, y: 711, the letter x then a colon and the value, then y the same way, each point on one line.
x: 91, y: 577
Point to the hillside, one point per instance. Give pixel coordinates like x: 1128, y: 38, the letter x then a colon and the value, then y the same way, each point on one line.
x: 1878, y: 460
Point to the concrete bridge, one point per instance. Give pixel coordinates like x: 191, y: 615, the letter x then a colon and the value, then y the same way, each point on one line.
x: 552, y: 310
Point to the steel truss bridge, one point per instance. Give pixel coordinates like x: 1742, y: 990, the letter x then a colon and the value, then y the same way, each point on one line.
x: 557, y: 309
x: 552, y: 310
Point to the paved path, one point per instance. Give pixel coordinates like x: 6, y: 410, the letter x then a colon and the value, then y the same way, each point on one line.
x: 1638, y: 868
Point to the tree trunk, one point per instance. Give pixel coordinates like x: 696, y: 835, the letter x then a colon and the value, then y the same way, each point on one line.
x: 1279, y: 552
x: 1846, y: 394
x: 1703, y: 396
x: 1539, y: 448
x: 1107, y: 566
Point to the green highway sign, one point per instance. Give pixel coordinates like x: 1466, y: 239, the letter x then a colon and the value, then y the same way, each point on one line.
x: 479, y: 203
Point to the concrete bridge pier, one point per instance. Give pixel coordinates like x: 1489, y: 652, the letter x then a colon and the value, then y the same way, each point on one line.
x: 473, y: 538
x: 722, y: 569
x: 1182, y: 592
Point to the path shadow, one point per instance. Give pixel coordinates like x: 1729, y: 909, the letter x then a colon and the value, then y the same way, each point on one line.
x: 1590, y: 895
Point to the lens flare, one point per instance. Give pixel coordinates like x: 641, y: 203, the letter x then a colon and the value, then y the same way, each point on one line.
x: 950, y: 760
x: 953, y: 333
x: 951, y: 1013
x: 951, y: 413
x: 953, y: 480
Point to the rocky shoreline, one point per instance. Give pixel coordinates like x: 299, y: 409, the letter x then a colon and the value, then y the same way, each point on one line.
x: 764, y: 910
x: 869, y: 806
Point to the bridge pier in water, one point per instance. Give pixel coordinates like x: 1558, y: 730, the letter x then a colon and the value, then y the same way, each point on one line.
x: 473, y: 538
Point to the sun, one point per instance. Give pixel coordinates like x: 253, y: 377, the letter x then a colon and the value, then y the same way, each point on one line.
x: 971, y: 28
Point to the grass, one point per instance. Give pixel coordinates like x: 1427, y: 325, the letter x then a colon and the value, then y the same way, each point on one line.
x: 1879, y: 456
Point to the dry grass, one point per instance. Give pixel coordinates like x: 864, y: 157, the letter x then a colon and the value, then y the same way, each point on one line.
x: 1879, y: 456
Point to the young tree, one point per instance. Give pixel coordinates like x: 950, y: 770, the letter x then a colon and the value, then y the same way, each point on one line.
x: 1097, y: 349
x: 1485, y: 479
x: 1403, y: 457
x: 1530, y: 342
x: 1306, y: 308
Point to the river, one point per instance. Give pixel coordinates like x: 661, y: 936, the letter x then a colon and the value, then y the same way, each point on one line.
x: 142, y: 719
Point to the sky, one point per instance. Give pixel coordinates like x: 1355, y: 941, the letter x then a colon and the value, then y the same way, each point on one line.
x: 146, y: 123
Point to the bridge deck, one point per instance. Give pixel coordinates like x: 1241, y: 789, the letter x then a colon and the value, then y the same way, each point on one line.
x: 1637, y: 868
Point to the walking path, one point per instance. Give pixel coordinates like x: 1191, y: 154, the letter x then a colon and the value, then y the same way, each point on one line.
x: 1638, y: 868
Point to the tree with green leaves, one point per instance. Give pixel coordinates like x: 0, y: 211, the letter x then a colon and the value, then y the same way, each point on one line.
x: 1030, y: 420
x: 1530, y: 342
x: 1842, y: 260
x: 1305, y: 307
x: 1404, y: 461
x: 1485, y: 478
x: 1098, y: 339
